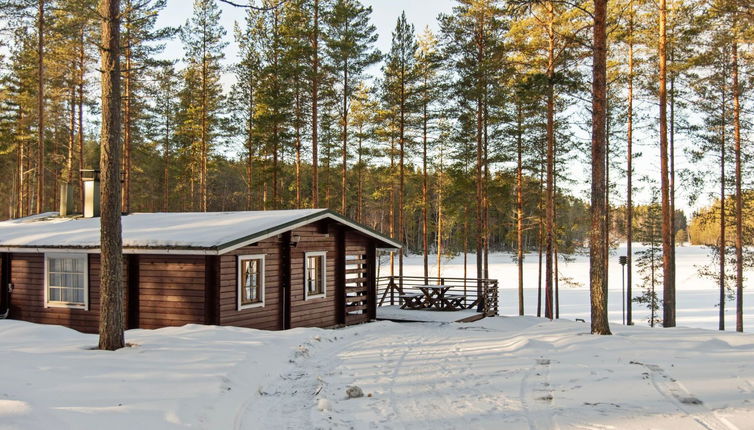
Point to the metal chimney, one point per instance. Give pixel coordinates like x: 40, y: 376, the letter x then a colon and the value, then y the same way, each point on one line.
x: 91, y: 193
x: 66, y: 199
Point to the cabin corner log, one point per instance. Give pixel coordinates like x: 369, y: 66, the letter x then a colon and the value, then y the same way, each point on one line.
x: 5, y: 284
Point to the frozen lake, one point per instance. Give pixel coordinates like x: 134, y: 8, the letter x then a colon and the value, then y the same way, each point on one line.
x: 696, y: 299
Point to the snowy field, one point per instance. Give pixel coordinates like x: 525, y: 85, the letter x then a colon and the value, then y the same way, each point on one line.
x: 696, y: 298
x: 498, y: 373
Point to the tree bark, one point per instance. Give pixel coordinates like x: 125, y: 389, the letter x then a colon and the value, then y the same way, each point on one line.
x: 550, y: 196
x: 722, y: 242
x: 111, y: 323
x: 315, y: 105
x: 425, y: 200
x: 127, y: 123
x: 739, y: 197
x: 82, y: 73
x: 597, y: 244
x: 40, y: 106
x: 629, y: 169
x: 668, y: 282
x: 520, y: 207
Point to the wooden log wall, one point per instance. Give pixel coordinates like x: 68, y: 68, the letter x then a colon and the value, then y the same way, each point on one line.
x: 27, y: 298
x: 171, y: 290
x: 314, y: 312
x: 268, y: 317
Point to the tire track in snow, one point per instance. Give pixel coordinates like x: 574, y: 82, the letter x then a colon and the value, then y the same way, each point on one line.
x: 296, y: 405
x: 683, y: 400
x: 536, y: 396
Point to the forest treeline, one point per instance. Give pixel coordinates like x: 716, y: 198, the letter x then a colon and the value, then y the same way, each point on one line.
x: 465, y: 140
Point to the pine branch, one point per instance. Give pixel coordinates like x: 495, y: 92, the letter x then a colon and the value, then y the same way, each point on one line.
x: 250, y: 6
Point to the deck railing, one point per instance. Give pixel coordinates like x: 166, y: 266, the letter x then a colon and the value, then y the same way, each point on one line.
x: 480, y: 294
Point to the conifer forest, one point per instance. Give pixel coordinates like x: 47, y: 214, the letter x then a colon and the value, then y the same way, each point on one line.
x: 533, y: 127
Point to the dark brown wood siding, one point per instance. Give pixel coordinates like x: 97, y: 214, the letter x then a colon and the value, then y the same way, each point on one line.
x: 267, y: 317
x: 315, y: 312
x: 171, y: 290
x: 27, y: 298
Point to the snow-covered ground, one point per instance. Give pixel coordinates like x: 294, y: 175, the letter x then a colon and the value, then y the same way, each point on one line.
x: 501, y: 373
x: 696, y: 300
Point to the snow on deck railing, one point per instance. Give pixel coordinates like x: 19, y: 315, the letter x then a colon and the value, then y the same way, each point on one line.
x: 390, y: 288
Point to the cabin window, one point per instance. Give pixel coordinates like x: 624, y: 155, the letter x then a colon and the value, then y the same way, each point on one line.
x: 315, y: 274
x: 250, y: 281
x: 66, y: 283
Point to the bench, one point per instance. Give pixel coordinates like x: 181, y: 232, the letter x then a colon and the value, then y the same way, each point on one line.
x: 453, y: 302
x: 412, y: 301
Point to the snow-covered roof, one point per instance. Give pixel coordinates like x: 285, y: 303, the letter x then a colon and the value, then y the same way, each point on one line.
x: 179, y: 232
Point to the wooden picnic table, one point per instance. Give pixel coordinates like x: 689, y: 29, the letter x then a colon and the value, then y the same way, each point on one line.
x: 433, y: 297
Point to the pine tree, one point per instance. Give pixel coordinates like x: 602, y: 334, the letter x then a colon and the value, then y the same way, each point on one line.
x: 141, y: 42
x: 202, y: 37
x: 401, y: 81
x: 350, y: 50
x: 650, y: 261
x: 428, y: 92
x: 112, y: 317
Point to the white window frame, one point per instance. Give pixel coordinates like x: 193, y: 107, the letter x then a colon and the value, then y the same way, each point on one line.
x: 260, y: 303
x: 51, y: 304
x: 322, y: 254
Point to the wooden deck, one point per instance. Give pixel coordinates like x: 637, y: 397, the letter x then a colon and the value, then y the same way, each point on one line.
x: 478, y: 298
x: 395, y: 313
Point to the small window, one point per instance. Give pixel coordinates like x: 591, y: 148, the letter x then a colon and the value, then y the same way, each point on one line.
x: 66, y: 283
x: 250, y: 281
x: 315, y: 275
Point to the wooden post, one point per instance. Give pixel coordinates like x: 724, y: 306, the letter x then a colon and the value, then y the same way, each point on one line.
x: 391, y: 285
x: 132, y: 266
x: 372, y: 281
x: 211, y: 290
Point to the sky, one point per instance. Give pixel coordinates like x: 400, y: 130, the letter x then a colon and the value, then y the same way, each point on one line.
x: 421, y: 13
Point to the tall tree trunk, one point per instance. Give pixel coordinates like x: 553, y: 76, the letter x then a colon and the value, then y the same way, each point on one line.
x: 671, y: 179
x: 597, y: 244
x: 344, y: 148
x: 127, y: 96
x: 550, y: 196
x: 250, y: 150
x: 204, y: 131
x: 520, y: 206
x: 479, y: 160
x: 402, y: 173
x: 739, y: 197
x: 166, y: 164
x: 629, y: 168
x: 439, y: 214
x: 360, y: 180
x: 82, y: 73
x: 723, y: 221
x: 315, y: 105
x: 111, y: 324
x: 485, y: 190
x: 540, y: 241
x: 392, y: 201
x: 425, y: 200
x: 71, y: 133
x: 298, y: 149
x: 40, y: 106
x: 668, y: 304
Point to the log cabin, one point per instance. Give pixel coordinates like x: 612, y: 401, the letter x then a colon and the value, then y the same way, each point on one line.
x: 261, y: 269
